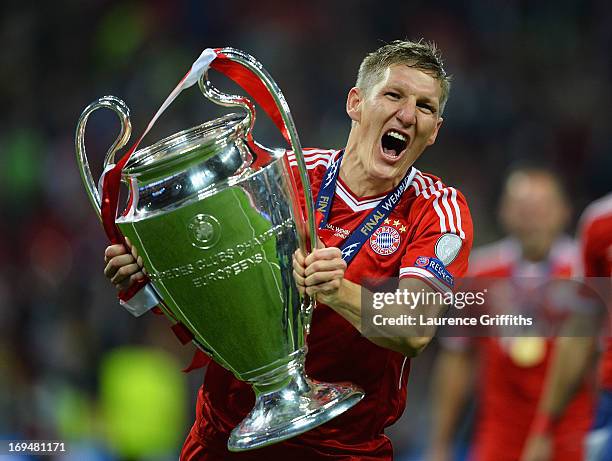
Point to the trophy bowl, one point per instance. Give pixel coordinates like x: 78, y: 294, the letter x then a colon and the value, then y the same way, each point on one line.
x: 216, y: 220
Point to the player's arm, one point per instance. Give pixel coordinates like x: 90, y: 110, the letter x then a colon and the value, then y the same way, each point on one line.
x: 452, y: 384
x: 321, y: 274
x: 572, y: 359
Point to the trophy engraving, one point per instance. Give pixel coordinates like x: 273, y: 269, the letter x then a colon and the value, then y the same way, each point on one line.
x: 205, y: 231
x: 216, y: 220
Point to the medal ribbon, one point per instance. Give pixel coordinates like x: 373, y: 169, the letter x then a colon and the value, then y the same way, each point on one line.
x: 353, y: 243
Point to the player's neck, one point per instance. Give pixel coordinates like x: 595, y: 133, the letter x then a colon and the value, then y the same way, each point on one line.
x: 355, y: 175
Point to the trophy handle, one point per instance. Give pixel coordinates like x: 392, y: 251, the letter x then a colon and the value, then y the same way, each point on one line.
x: 308, y: 241
x: 216, y: 96
x: 122, y: 111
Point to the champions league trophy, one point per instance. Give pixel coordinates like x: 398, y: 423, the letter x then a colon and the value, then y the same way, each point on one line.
x: 216, y: 219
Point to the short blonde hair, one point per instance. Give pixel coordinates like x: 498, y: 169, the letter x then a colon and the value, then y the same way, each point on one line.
x: 420, y: 55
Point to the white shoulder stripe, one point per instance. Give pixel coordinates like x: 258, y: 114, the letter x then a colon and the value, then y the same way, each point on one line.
x: 319, y: 151
x: 451, y: 221
x: 421, y: 181
x: 457, y: 211
x: 314, y: 158
x: 440, y: 213
x: 308, y: 152
x: 415, y: 184
x: 310, y: 158
x: 310, y: 166
x: 445, y: 203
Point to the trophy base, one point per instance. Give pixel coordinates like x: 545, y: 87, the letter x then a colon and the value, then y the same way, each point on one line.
x: 300, y: 405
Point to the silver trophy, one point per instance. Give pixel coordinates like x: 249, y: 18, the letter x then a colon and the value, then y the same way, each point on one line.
x: 217, y: 220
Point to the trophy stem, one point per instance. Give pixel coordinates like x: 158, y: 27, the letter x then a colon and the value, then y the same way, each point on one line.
x: 288, y: 403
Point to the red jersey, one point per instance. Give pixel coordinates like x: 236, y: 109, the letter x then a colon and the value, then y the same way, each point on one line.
x: 596, y: 253
x: 513, y: 370
x: 426, y: 212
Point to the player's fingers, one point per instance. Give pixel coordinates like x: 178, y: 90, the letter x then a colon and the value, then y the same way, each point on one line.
x: 136, y: 277
x: 116, y: 263
x: 325, y: 265
x: 323, y: 253
x: 299, y: 279
x: 319, y: 278
x: 299, y: 256
x: 125, y: 273
x: 298, y: 268
x: 126, y: 283
x: 325, y: 288
x: 132, y: 248
x: 329, y: 287
x: 112, y: 251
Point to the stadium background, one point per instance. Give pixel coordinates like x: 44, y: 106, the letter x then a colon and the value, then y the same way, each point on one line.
x: 531, y: 81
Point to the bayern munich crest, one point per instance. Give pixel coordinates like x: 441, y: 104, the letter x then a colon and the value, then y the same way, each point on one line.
x: 385, y: 240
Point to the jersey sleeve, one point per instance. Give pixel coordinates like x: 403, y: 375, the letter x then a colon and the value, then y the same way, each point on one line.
x: 443, y: 234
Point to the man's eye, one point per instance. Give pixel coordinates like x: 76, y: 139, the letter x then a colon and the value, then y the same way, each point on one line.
x: 392, y: 95
x: 427, y: 108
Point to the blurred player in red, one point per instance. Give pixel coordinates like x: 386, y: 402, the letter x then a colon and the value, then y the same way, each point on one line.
x: 395, y: 110
x: 574, y: 355
x: 510, y: 371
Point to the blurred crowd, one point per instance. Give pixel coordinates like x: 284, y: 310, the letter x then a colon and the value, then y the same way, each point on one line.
x: 531, y: 81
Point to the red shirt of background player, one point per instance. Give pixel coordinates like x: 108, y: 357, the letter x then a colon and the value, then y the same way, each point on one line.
x: 509, y: 392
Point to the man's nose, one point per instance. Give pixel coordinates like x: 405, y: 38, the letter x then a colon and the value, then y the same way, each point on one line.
x: 406, y: 113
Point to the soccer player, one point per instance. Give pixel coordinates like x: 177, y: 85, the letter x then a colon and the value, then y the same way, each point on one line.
x: 574, y: 355
x: 510, y: 371
x: 396, y: 112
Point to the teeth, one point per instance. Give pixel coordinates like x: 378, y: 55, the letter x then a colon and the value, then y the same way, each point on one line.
x: 396, y: 135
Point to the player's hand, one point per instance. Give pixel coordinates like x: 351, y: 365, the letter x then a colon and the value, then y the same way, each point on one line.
x: 538, y: 448
x: 299, y: 270
x: 123, y: 265
x: 319, y: 274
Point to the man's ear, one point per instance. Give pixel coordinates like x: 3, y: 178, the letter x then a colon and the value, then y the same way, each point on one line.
x: 353, y: 104
x: 434, y: 135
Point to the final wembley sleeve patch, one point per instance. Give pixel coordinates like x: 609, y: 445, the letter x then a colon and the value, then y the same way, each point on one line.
x: 448, y: 247
x: 435, y: 267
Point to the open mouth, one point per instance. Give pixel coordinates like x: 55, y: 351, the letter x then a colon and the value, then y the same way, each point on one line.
x: 393, y: 144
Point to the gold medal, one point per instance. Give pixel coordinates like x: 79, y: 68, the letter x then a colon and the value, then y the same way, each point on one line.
x: 527, y: 351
